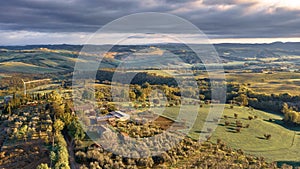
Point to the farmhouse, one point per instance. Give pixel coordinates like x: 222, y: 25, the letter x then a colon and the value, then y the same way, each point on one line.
x: 120, y: 115
x: 111, y: 117
x: 105, y: 118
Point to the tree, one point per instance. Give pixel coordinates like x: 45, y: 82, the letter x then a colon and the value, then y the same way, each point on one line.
x: 58, y: 125
x: 242, y: 99
x: 56, y: 107
x: 138, y: 91
x: 100, y: 95
x: 293, y: 116
x: 87, y: 95
x: 42, y: 166
x: 145, y: 85
x: 66, y: 118
x: 76, y: 131
x: 53, y: 157
x: 267, y: 136
x: 201, y: 97
x: 67, y: 107
x: 285, y: 108
x: 132, y: 95
x: 7, y: 109
x: 142, y: 97
x: 80, y: 156
x: 124, y: 94
x: 235, y: 115
x: 23, y: 131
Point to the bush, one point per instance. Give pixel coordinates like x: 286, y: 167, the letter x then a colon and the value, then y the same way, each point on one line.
x: 239, y: 123
x: 42, y: 166
x: 62, y: 154
x: 235, y: 115
x: 267, y: 136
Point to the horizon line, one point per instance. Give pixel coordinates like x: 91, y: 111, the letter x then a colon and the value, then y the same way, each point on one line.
x: 141, y: 44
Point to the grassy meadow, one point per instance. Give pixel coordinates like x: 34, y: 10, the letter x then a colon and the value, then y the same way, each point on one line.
x: 283, y: 145
x: 277, y: 82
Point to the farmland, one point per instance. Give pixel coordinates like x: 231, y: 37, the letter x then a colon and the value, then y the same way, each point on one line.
x: 251, y: 140
x: 285, y: 139
x: 23, y: 141
x: 276, y: 83
x: 154, y: 104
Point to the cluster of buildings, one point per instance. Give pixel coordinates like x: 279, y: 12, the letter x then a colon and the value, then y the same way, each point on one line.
x: 112, y: 116
x: 89, y: 111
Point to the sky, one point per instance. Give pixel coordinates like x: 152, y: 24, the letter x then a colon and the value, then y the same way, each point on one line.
x: 25, y: 22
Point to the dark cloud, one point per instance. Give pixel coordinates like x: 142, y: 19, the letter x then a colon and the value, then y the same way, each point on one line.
x: 88, y: 16
x: 219, y: 2
x: 237, y: 23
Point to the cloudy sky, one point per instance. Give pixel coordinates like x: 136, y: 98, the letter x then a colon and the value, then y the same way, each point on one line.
x: 74, y: 21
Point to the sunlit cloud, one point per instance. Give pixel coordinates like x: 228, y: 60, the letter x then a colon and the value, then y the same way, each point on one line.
x: 73, y: 21
x: 270, y: 6
x: 26, y: 37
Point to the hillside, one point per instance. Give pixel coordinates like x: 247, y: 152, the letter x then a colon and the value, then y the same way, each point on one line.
x: 63, y: 57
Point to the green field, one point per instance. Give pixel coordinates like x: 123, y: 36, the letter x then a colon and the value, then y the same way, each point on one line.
x: 24, y: 67
x: 277, y: 82
x: 284, y: 144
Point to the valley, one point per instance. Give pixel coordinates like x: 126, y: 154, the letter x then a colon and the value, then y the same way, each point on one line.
x: 257, y: 126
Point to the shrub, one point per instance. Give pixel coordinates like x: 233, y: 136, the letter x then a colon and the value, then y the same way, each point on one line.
x: 250, y: 117
x: 42, y: 166
x: 267, y: 136
x: 136, y: 106
x: 235, y: 115
x: 62, y: 152
x: 239, y: 123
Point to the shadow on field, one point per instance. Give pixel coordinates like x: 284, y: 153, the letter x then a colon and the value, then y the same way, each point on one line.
x: 199, y: 131
x: 231, y: 130
x: 292, y: 163
x: 262, y: 138
x: 286, y: 125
